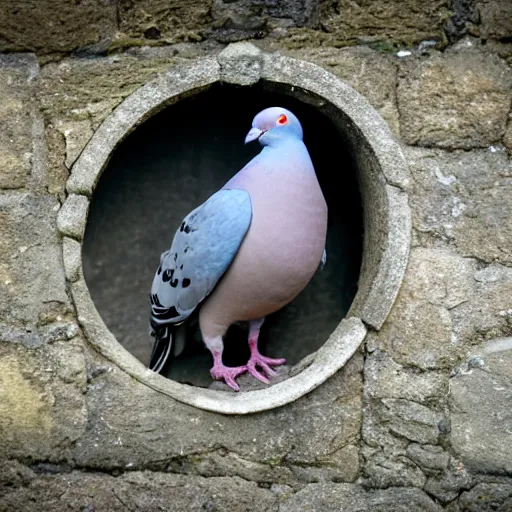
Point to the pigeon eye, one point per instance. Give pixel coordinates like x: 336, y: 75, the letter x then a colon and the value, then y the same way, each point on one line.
x: 282, y: 120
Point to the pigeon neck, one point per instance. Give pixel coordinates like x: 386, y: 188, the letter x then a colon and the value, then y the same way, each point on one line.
x: 284, y: 147
x: 280, y: 142
x: 292, y: 153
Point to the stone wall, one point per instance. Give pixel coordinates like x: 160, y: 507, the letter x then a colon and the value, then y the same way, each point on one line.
x: 420, y: 419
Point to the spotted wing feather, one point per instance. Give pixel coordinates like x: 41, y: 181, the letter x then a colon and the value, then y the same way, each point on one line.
x: 202, y: 250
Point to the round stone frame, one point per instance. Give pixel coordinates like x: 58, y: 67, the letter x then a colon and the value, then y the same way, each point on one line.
x: 383, y: 183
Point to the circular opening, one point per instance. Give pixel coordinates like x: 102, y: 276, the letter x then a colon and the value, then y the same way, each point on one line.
x: 172, y: 163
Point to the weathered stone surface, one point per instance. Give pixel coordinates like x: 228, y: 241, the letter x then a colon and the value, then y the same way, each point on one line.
x: 26, y: 421
x: 481, y: 414
x: 54, y: 26
x: 380, y: 442
x: 487, y: 497
x: 411, y: 21
x: 238, y: 20
x: 487, y: 314
x: 304, y: 433
x: 440, y: 277
x: 410, y: 420
x: 464, y: 17
x: 14, y: 474
x: 421, y: 335
x: 388, y: 469
x: 244, y: 19
x: 84, y: 89
x: 76, y: 134
x: 72, y: 255
x: 342, y: 465
x: 458, y: 100
x: 164, y: 21
x: 223, y: 463
x: 495, y: 19
x: 418, y: 331
x: 73, y: 215
x: 17, y: 73
x: 501, y: 48
x: 388, y: 428
x: 137, y: 491
x: 446, y: 486
x: 337, y: 497
x: 56, y: 173
x: 485, y: 226
x: 42, y: 404
x: 44, y: 334
x: 428, y: 457
x: 460, y: 197
x: 240, y: 63
x: 361, y: 67
x: 384, y: 378
x: 32, y: 284
x: 507, y: 138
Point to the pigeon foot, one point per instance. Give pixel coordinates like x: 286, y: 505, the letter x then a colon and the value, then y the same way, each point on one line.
x: 228, y: 374
x: 259, y: 361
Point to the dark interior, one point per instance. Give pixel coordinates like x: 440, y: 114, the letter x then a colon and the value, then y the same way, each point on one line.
x: 174, y: 162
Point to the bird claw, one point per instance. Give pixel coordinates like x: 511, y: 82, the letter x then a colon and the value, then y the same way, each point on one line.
x: 257, y: 375
x: 228, y: 374
x: 257, y: 360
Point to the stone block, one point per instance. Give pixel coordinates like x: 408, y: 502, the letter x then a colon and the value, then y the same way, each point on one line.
x: 149, y: 491
x: 459, y: 198
x: 487, y: 497
x: 384, y: 378
x: 381, y: 21
x: 32, y: 284
x: 170, y: 21
x: 308, y: 433
x: 17, y: 73
x: 48, y: 26
x: 459, y: 99
x: 42, y: 402
x: 495, y: 19
x: 73, y: 216
x: 481, y: 414
x: 330, y: 497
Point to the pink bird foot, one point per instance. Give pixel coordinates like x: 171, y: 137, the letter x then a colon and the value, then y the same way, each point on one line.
x: 258, y: 360
x: 227, y: 373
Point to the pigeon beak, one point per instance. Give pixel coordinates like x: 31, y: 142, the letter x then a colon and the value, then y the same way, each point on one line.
x: 254, y: 133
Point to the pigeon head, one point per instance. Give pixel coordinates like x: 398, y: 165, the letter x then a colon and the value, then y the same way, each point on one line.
x: 273, y: 126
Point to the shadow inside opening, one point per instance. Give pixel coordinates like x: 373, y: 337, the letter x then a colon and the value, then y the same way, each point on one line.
x: 174, y: 162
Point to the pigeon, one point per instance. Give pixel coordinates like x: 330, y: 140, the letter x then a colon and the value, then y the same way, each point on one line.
x: 245, y: 253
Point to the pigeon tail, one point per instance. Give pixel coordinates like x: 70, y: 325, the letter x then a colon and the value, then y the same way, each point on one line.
x: 162, y: 348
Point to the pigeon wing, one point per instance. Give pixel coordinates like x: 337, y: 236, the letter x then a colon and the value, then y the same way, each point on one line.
x: 203, y: 248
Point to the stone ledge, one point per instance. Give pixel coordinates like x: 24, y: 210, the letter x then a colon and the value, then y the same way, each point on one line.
x: 386, y: 283
x: 73, y: 216
x: 332, y: 356
x: 72, y: 255
x: 240, y: 63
